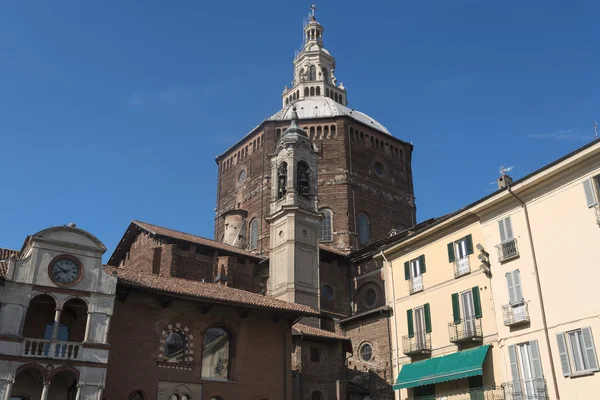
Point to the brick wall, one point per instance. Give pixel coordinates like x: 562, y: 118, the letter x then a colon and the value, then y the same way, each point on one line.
x: 335, y: 272
x: 135, y: 333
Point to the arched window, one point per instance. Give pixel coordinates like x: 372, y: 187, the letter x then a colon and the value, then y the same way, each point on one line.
x: 325, y: 228
x: 312, y: 132
x: 281, y: 180
x: 303, y: 177
x: 215, y: 354
x: 312, y: 91
x: 297, y: 94
x: 319, y: 132
x: 174, y: 349
x: 325, y: 132
x: 326, y: 92
x: 137, y: 395
x: 332, y: 130
x: 305, y: 92
x: 318, y: 91
x: 316, y: 395
x: 364, y: 230
x: 312, y: 73
x: 253, y: 234
x: 335, y: 96
x: 277, y: 134
x: 341, y: 98
x: 327, y: 296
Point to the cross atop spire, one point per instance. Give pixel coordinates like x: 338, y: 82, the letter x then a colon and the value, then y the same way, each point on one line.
x: 313, y: 8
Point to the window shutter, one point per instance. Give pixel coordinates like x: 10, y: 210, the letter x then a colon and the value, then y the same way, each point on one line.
x: 535, y: 359
x: 476, y: 302
x: 589, y: 349
x: 427, y: 318
x: 514, y: 369
x: 455, y: 308
x: 511, y: 288
x: 502, y: 230
x: 469, y: 240
x: 409, y: 320
x: 407, y: 270
x: 451, y: 257
x: 508, y: 226
x: 564, y: 356
x: 588, y: 188
x: 517, y: 282
x: 422, y: 263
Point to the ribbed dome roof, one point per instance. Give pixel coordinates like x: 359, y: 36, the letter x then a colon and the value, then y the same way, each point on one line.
x: 324, y: 107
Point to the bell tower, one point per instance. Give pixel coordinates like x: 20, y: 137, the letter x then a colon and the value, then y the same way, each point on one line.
x: 293, y: 218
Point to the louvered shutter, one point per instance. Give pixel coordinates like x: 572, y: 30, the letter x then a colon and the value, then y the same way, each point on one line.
x: 588, y: 188
x: 535, y: 359
x: 427, y: 318
x: 455, y: 308
x: 451, y: 256
x: 407, y: 270
x: 476, y: 302
x: 514, y: 369
x: 508, y: 226
x: 422, y: 263
x: 511, y: 288
x: 409, y: 321
x: 502, y: 230
x: 589, y: 349
x: 562, y: 352
x: 469, y: 240
x: 517, y: 282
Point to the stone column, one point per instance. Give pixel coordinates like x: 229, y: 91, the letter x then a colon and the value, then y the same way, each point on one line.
x: 88, y: 326
x: 78, y: 394
x: 45, y: 391
x: 6, y: 389
x: 56, y: 323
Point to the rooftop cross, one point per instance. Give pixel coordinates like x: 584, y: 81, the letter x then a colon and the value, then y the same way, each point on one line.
x: 313, y: 8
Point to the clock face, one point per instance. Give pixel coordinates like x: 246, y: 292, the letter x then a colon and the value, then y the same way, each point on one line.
x: 65, y: 271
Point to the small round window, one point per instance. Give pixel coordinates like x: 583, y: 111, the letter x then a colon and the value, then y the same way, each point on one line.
x: 137, y: 395
x: 378, y: 168
x: 242, y: 176
x: 366, y: 352
x: 370, y: 297
x: 327, y: 292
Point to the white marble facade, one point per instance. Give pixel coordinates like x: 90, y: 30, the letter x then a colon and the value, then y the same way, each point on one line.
x: 55, y: 310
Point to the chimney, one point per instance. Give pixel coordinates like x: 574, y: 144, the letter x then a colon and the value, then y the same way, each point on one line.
x: 504, y: 181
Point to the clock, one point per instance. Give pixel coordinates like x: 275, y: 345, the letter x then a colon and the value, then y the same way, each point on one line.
x: 65, y: 270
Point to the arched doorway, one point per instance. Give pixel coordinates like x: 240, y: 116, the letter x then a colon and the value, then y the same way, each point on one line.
x: 74, y: 319
x: 63, y: 385
x: 28, y: 384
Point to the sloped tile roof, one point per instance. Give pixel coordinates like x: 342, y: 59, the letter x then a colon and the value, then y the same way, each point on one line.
x: 159, y: 230
x: 210, y: 292
x: 6, y: 253
x: 306, y: 330
x: 3, y: 269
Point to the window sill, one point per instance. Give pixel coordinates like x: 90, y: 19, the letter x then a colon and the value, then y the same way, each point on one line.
x: 182, y: 366
x: 216, y: 380
x: 582, y: 373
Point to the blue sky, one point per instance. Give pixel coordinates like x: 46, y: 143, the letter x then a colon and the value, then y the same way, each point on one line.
x: 112, y: 111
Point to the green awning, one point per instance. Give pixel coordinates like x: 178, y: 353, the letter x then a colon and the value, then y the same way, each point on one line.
x: 440, y: 369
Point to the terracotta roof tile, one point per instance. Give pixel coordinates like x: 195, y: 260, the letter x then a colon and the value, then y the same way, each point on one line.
x: 3, y: 269
x: 301, y: 329
x: 159, y: 230
x: 6, y: 253
x: 209, y: 291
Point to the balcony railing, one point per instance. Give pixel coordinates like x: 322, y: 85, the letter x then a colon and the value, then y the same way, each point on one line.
x: 415, y: 284
x: 527, y: 389
x: 515, y: 314
x: 507, y: 250
x: 420, y: 343
x: 461, y: 267
x: 597, y: 212
x: 51, y: 349
x: 467, y: 330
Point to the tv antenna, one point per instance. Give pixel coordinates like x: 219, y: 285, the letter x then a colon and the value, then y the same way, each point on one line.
x: 595, y: 129
x: 504, y: 170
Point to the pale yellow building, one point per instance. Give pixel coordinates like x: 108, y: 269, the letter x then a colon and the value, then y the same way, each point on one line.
x: 533, y: 250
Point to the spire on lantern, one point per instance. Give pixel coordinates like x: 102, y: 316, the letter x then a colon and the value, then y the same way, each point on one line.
x: 294, y: 130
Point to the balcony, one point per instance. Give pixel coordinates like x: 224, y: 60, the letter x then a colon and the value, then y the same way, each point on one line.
x: 415, y: 284
x: 461, y: 267
x: 51, y: 349
x: 507, y: 250
x: 527, y: 389
x: 467, y: 330
x: 515, y: 314
x: 420, y: 343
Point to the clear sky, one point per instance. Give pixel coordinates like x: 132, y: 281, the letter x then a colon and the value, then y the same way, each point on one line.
x: 115, y: 110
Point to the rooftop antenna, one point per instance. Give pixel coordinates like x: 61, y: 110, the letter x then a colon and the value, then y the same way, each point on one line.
x: 595, y: 129
x: 504, y: 170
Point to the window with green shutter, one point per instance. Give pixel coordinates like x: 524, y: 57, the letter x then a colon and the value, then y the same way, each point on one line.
x: 455, y: 308
x: 476, y: 302
x: 427, y: 318
x: 591, y: 189
x: 409, y: 321
x: 451, y: 257
x: 469, y: 240
x: 407, y: 270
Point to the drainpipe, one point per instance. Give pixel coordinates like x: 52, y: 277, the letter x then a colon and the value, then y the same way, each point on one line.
x: 285, y: 360
x: 539, y: 290
x: 394, y: 311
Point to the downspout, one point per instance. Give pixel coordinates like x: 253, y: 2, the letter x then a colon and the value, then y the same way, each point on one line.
x: 285, y: 359
x: 539, y: 290
x: 393, y: 310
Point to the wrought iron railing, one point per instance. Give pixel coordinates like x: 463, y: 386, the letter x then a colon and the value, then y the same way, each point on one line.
x: 461, y: 266
x: 514, y: 314
x: 419, y: 343
x: 526, y: 389
x: 468, y: 329
x: 415, y: 284
x: 51, y: 349
x: 507, y: 250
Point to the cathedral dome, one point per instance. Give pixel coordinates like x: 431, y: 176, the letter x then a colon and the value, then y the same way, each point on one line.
x: 324, y: 107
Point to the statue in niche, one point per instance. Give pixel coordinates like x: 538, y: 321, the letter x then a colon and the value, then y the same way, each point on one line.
x: 281, y: 180
x: 333, y: 78
x: 302, y: 75
x: 303, y: 180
